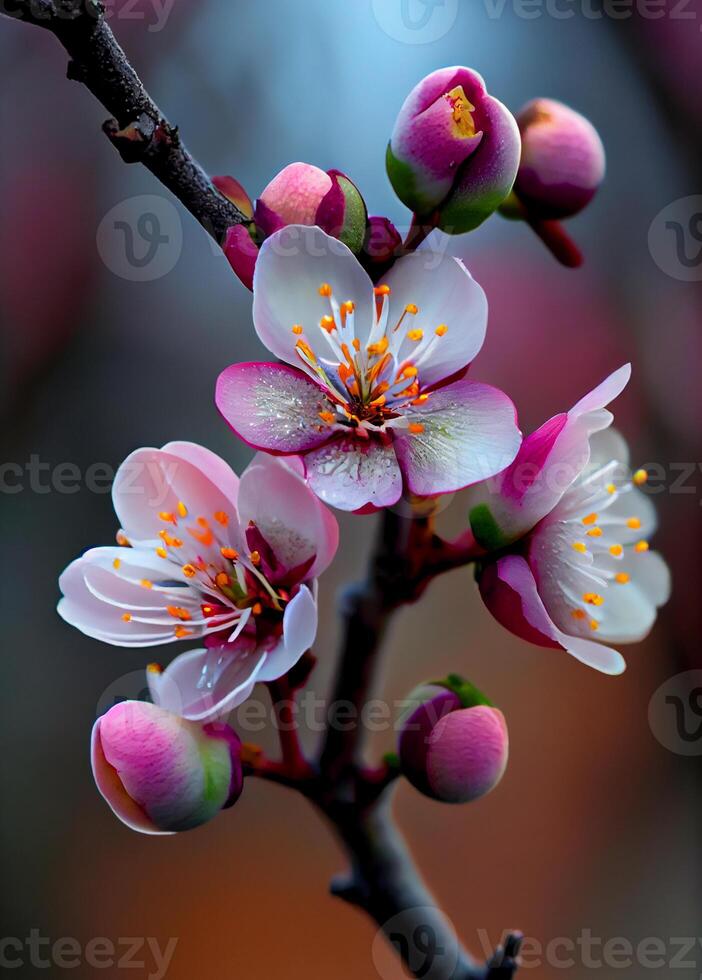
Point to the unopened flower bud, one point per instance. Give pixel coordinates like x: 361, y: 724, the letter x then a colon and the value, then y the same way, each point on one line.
x: 454, y: 151
x: 453, y: 745
x: 161, y: 773
x: 563, y: 160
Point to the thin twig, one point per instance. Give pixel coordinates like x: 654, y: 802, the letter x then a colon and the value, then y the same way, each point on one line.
x: 139, y: 130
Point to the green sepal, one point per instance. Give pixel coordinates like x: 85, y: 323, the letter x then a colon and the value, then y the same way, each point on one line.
x: 353, y: 231
x: 468, y: 694
x: 485, y: 528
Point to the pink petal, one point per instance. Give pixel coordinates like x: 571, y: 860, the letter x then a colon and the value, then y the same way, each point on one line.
x: 294, y: 522
x: 292, y: 265
x: 299, y: 632
x: 351, y: 472
x: 241, y: 253
x: 273, y: 407
x: 445, y: 293
x: 203, y: 685
x: 469, y: 434
x: 111, y: 788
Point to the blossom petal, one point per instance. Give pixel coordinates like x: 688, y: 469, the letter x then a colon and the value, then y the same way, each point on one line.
x: 294, y: 522
x: 350, y: 472
x: 273, y: 407
x: 468, y: 433
x: 299, y: 632
x: 510, y: 593
x: 445, y: 293
x: 203, y: 685
x: 292, y: 265
x: 154, y: 481
x: 110, y: 785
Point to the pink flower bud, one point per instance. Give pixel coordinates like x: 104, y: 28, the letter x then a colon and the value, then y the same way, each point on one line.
x: 563, y: 160
x: 294, y: 194
x: 160, y: 773
x: 449, y: 751
x: 454, y: 149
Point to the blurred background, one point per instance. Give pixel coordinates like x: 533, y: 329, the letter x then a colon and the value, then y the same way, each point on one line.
x: 596, y: 823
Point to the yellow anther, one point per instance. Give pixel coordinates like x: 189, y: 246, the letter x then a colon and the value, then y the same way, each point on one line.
x: 415, y: 335
x: 297, y: 329
x: 411, y: 308
x: 182, y: 509
x: 408, y: 371
x: 578, y: 614
x: 420, y: 399
x: 222, y: 579
x: 327, y: 323
x: 122, y: 539
x: 580, y: 546
x: 347, y: 307
x: 116, y: 563
x: 590, y: 519
x: 356, y: 344
x: 622, y: 578
x: 231, y: 553
x: 639, y: 478
x: 616, y: 550
x: 382, y: 290
x: 203, y: 522
x: 255, y: 558
x: 416, y: 428
x: 611, y: 488
x: 146, y: 584
x: 189, y: 571
x: 376, y: 349
x: 634, y: 523
x: 181, y: 632
x: 641, y: 546
x: 127, y: 617
x: 595, y: 532
x: 441, y: 330
x: 593, y: 599
x: 162, y: 553
x: 154, y: 668
x: 165, y: 515
x: 306, y: 350
x: 594, y: 625
x: 222, y: 517
x: 257, y: 609
x: 325, y: 289
x: 327, y: 417
x: 177, y: 612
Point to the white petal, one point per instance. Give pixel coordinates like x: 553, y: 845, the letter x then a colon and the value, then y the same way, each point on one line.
x: 299, y: 632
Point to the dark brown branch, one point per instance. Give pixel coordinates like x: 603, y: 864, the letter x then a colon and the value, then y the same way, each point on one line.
x: 139, y: 130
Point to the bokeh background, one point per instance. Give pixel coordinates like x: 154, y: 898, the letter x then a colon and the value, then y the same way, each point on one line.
x: 595, y: 825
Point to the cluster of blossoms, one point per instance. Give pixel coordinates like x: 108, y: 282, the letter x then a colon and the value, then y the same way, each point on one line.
x: 369, y: 401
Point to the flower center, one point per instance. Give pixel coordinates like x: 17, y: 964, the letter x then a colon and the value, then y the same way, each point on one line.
x: 463, y: 123
x: 369, y: 384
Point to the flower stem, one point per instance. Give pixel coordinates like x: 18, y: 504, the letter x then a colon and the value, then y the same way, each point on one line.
x: 557, y: 241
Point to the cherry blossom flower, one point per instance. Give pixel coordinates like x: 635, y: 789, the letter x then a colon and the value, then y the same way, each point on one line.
x: 373, y: 392
x: 577, y: 572
x: 230, y: 561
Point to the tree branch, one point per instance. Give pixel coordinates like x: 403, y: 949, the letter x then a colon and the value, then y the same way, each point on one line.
x: 139, y: 130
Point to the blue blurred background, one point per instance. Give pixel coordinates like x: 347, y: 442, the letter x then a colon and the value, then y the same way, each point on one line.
x: 595, y: 825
